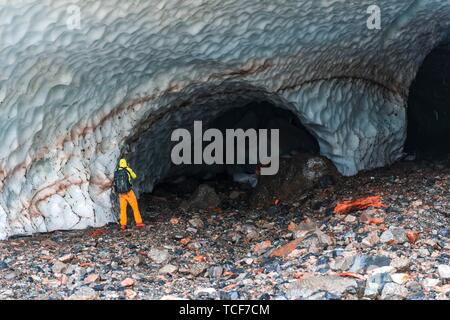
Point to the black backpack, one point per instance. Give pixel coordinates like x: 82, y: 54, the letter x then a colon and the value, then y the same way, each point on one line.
x: 121, y: 181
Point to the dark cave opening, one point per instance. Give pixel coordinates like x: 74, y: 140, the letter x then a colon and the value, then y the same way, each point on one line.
x: 294, y: 139
x: 429, y: 107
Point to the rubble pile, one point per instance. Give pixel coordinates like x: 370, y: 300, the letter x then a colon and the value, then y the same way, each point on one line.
x: 296, y: 249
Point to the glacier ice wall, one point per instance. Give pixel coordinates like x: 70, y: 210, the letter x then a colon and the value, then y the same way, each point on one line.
x: 72, y: 99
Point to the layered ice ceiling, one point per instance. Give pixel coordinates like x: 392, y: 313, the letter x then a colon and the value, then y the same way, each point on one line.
x: 83, y: 81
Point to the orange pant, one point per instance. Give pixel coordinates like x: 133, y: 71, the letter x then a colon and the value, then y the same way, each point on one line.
x: 124, y: 200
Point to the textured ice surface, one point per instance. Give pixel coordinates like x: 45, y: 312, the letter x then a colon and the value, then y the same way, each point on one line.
x: 135, y: 70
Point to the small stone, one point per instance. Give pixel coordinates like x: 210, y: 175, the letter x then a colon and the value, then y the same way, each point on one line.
x: 197, y: 223
x: 429, y: 282
x: 364, y: 217
x: 208, y: 291
x: 251, y: 232
x: 91, y: 278
x: 84, y: 293
x: 234, y: 195
x: 194, y: 246
x: 203, y: 198
x: 380, y: 276
x: 59, y: 267
x: 128, y: 282
x: 350, y: 219
x: 417, y: 203
x: 324, y: 239
x: 444, y: 271
x: 261, y: 247
x: 159, y: 255
x: 168, y: 269
x: 422, y: 252
x: 342, y: 263
x: 137, y: 260
x: 171, y: 297
x: 233, y: 295
x: 286, y: 249
x: 305, y: 288
x: 400, y: 278
x: 394, y: 291
x: 414, y: 286
x: 326, y: 181
x: 215, y: 272
x: 6, y: 293
x: 372, y: 289
x: 130, y: 294
x: 66, y: 258
x: 362, y: 262
x: 401, y: 263
x: 174, y: 220
x: 264, y: 296
x: 272, y: 266
x: 10, y: 276
x: 197, y: 269
x: 384, y: 269
x: 371, y: 240
x: 398, y: 235
x: 191, y: 230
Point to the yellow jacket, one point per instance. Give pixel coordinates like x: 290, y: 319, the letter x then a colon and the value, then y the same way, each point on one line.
x: 124, y: 165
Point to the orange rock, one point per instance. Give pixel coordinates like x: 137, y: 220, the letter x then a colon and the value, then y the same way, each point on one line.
x: 375, y: 221
x: 350, y: 275
x: 130, y: 294
x: 259, y: 247
x: 258, y: 271
x: 292, y: 227
x: 97, y: 233
x: 91, y: 278
x: 348, y: 206
x: 284, y: 250
x: 185, y: 241
x: 199, y: 258
x: 128, y: 282
x: 412, y: 236
x: 86, y: 264
x: 230, y: 286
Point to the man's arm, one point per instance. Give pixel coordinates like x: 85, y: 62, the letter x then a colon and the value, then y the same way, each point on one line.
x: 133, y: 175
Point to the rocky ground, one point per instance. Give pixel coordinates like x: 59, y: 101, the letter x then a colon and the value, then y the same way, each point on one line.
x: 292, y: 249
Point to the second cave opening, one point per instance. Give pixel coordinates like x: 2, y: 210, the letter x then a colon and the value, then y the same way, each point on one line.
x: 429, y: 107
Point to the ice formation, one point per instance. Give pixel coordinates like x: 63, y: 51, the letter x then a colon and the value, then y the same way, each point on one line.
x: 74, y: 96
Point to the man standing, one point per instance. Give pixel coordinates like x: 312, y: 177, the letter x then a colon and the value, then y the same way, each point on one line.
x: 122, y: 184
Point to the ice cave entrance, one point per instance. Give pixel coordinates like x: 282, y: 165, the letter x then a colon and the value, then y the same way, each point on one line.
x: 162, y: 174
x: 429, y: 107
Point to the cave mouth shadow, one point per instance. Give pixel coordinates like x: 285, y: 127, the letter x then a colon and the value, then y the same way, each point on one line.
x: 182, y: 180
x: 428, y: 113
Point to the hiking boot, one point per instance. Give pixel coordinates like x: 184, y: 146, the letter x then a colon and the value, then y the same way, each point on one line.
x: 123, y: 228
x: 140, y: 225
